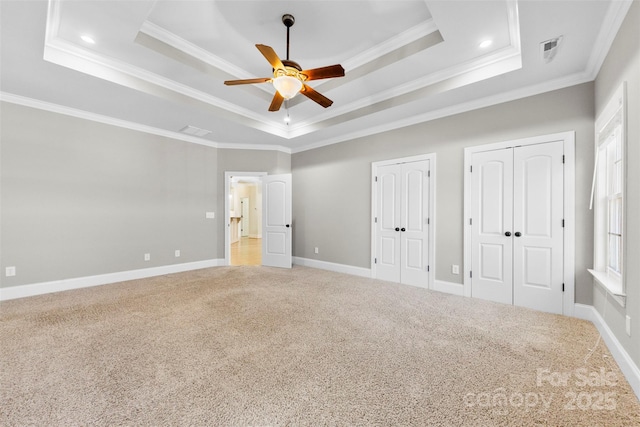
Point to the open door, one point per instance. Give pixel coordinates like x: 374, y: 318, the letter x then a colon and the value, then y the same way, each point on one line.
x: 276, y: 221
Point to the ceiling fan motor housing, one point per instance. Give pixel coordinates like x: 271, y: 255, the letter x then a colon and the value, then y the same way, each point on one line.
x: 288, y: 20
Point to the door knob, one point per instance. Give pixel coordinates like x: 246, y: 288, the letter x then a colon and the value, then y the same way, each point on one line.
x: 402, y: 229
x: 397, y: 228
x: 287, y: 225
x: 518, y: 234
x: 508, y: 233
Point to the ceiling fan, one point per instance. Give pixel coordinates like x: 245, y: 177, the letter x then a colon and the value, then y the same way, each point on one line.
x: 289, y: 78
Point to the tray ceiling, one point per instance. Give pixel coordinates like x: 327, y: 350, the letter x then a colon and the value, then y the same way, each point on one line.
x: 161, y: 64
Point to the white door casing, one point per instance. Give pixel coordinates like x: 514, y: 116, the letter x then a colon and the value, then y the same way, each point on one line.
x: 401, y: 221
x: 276, y: 221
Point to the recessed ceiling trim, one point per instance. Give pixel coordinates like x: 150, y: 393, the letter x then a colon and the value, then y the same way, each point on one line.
x: 69, y: 55
x: 382, y: 61
x: 486, y: 66
x: 401, y: 40
x: 187, y: 48
x: 514, y: 24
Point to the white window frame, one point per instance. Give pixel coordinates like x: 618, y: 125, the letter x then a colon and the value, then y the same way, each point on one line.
x: 608, y: 187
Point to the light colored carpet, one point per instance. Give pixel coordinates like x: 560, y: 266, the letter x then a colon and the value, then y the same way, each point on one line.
x: 259, y: 346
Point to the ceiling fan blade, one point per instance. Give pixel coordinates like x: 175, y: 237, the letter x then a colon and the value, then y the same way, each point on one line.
x: 276, y: 102
x: 324, y: 72
x: 247, y: 81
x: 271, y: 56
x: 315, y: 96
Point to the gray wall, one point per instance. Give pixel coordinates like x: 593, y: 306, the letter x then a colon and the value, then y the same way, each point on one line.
x: 81, y: 198
x: 623, y: 64
x: 332, y: 184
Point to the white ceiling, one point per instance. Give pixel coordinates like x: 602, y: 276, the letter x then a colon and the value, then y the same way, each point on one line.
x: 159, y: 65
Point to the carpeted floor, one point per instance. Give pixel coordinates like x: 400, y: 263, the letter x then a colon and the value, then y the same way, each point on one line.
x: 257, y: 346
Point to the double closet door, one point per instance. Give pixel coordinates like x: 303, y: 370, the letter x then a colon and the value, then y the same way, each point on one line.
x: 517, y: 226
x: 402, y: 223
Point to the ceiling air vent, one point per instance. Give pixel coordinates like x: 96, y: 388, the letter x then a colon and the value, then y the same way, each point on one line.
x: 549, y: 48
x: 192, y: 130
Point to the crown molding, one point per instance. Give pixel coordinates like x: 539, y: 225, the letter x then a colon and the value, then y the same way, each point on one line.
x: 85, y: 115
x: 612, y: 22
x: 65, y: 53
x: 488, y: 101
x: 497, y: 63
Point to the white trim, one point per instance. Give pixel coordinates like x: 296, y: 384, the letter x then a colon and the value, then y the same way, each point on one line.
x: 81, y: 114
x: 432, y: 209
x: 23, y: 291
x: 488, y: 101
x: 612, y: 22
x: 628, y: 367
x: 186, y: 47
x: 330, y: 266
x: 616, y: 109
x: 448, y: 287
x: 227, y: 209
x: 608, y: 30
x: 568, y: 139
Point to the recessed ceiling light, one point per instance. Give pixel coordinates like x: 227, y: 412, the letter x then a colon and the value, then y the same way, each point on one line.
x: 87, y: 39
x: 486, y: 43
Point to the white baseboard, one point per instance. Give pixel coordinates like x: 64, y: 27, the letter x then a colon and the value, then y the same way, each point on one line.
x: 22, y: 291
x: 338, y: 268
x: 627, y: 365
x: 448, y: 287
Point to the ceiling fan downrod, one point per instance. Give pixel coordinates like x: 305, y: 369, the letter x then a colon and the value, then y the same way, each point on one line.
x: 288, y: 20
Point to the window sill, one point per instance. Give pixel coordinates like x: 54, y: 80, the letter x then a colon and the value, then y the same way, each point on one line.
x: 613, y: 287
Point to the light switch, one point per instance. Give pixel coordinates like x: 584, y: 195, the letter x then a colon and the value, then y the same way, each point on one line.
x: 210, y: 215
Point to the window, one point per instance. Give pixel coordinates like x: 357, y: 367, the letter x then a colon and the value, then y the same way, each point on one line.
x: 608, y: 197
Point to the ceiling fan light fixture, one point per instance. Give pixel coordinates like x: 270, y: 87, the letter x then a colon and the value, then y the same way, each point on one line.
x: 287, y: 86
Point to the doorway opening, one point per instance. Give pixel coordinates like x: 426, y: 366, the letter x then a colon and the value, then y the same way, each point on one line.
x: 243, y: 214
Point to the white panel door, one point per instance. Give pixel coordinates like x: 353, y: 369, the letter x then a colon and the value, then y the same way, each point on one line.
x: 276, y: 220
x: 388, y: 223
x: 402, y: 227
x: 414, y: 231
x: 492, y: 213
x: 538, y: 234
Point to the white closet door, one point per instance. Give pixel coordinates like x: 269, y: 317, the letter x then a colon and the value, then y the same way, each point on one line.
x: 402, y: 229
x: 538, y: 232
x: 414, y: 231
x: 388, y: 214
x: 492, y: 214
x: 276, y: 220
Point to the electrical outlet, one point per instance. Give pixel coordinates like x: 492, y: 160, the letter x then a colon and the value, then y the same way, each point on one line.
x: 210, y: 215
x: 177, y: 253
x: 455, y: 269
x: 10, y: 271
x: 316, y: 249
x: 628, y: 326
x: 147, y: 257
